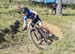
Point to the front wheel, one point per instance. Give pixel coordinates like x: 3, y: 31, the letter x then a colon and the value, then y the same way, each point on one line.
x: 34, y: 35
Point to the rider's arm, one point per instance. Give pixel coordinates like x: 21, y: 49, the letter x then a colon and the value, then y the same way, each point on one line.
x: 35, y: 13
x: 31, y: 11
x: 25, y: 23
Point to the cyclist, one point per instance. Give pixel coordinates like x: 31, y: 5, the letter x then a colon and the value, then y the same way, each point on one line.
x: 54, y: 6
x: 30, y: 14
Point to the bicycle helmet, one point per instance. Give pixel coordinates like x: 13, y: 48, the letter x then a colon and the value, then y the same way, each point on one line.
x: 24, y: 9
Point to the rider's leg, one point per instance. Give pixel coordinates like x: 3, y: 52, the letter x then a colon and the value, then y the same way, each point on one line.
x: 34, y: 21
x: 41, y: 25
x: 38, y: 20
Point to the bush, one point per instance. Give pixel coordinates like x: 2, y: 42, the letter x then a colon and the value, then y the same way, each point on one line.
x: 72, y: 6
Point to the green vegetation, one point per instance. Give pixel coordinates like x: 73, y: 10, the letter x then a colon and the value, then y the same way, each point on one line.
x: 67, y: 24
x: 66, y: 45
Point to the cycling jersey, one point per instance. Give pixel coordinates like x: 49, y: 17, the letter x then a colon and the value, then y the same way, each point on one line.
x: 29, y: 15
x: 32, y: 15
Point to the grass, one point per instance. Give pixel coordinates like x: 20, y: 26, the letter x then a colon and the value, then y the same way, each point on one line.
x: 5, y: 21
x: 66, y: 45
x: 67, y: 24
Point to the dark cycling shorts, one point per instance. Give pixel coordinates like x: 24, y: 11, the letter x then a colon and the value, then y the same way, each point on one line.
x: 35, y: 20
x: 54, y: 8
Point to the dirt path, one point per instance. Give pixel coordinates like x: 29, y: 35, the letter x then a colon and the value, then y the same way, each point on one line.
x: 30, y: 48
x: 54, y: 29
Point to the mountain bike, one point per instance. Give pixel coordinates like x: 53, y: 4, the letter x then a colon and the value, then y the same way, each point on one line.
x: 40, y: 37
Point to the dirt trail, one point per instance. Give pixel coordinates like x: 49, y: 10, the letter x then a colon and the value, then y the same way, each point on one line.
x: 30, y: 48
x: 54, y: 29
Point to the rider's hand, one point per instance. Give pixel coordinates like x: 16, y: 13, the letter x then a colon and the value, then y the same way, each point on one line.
x: 23, y: 29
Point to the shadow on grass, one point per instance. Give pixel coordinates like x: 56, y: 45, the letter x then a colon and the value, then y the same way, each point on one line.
x: 2, y: 39
x: 69, y: 14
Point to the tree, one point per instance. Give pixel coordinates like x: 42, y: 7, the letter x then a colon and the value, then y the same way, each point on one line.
x: 30, y: 1
x: 10, y: 1
x: 59, y: 8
